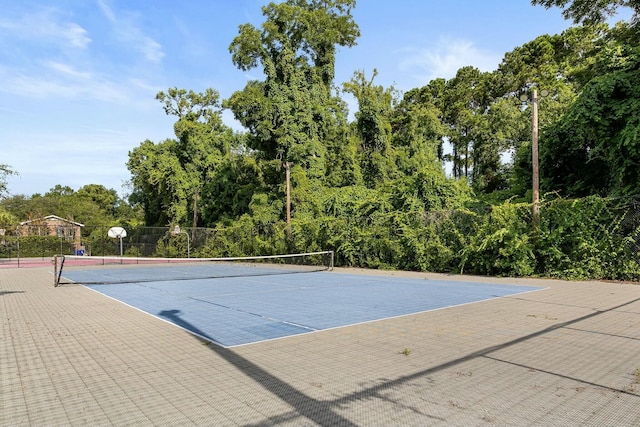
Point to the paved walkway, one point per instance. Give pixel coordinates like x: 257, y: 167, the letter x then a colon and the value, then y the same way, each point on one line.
x: 568, y: 355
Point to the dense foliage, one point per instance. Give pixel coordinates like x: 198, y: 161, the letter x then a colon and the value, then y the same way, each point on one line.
x: 434, y: 179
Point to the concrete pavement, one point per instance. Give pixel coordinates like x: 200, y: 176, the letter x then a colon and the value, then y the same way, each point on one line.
x: 568, y: 355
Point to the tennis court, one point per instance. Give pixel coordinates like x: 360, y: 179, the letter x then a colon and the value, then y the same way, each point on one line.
x: 238, y: 309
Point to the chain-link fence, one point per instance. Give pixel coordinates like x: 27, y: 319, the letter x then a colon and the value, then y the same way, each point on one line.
x: 629, y: 211
x: 575, y: 236
x: 145, y: 242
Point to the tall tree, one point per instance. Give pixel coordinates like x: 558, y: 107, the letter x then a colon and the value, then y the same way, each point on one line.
x: 417, y: 126
x: 590, y: 11
x: 168, y: 177
x: 106, y: 199
x: 595, y: 147
x: 466, y: 98
x: 592, y: 144
x: 497, y: 132
x: 228, y: 193
x: 373, y: 127
x: 418, y: 131
x: 342, y: 165
x: 557, y: 65
x: 292, y: 112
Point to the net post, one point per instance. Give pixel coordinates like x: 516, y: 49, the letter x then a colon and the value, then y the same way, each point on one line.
x: 54, y: 260
x: 57, y: 269
x: 330, y: 260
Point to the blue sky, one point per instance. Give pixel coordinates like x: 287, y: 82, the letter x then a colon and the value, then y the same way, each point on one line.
x: 78, y: 78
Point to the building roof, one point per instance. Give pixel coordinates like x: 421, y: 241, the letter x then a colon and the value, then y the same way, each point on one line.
x: 52, y: 217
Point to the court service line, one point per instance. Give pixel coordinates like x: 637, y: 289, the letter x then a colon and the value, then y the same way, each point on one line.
x: 262, y: 316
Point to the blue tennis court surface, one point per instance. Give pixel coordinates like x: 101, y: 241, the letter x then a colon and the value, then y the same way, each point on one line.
x: 242, y: 310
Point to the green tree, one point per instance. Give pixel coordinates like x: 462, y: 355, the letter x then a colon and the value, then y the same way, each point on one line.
x: 292, y: 113
x: 79, y: 206
x: 373, y: 127
x: 5, y: 170
x: 106, y: 199
x: 17, y: 205
x: 595, y: 148
x: 587, y: 61
x: 417, y: 126
x: 343, y: 168
x: 590, y: 11
x: 158, y: 182
x: 417, y: 138
x: 114, y: 209
x: 466, y: 98
x: 168, y: 177
x: 498, y: 131
x: 560, y: 65
x: 230, y: 191
x: 7, y: 219
x: 92, y: 205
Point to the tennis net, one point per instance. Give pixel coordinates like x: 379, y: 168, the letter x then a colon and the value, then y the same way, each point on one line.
x: 91, y: 270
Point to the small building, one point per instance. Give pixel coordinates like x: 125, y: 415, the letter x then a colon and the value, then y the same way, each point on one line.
x: 52, y: 225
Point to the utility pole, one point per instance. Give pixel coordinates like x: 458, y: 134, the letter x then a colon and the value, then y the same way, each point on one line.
x: 287, y: 166
x: 195, y: 214
x: 534, y: 161
x: 534, y: 155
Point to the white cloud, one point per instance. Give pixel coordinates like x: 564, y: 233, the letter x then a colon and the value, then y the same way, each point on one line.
x: 445, y: 58
x: 67, y: 70
x: 64, y: 82
x: 145, y: 85
x: 54, y: 60
x: 106, y: 10
x: 150, y: 49
x: 129, y: 33
x: 47, y: 26
x: 76, y: 35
